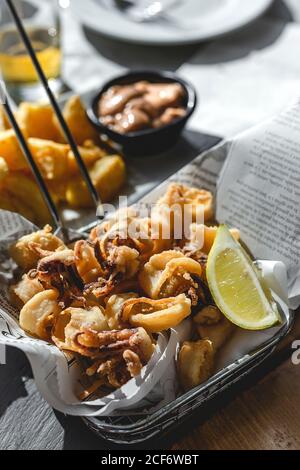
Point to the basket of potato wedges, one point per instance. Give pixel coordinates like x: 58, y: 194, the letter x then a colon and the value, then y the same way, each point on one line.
x: 18, y: 189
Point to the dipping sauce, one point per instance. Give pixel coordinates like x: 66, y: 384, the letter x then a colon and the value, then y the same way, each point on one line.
x: 141, y: 105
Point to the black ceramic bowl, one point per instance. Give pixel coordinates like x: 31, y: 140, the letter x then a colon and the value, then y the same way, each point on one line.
x: 148, y: 141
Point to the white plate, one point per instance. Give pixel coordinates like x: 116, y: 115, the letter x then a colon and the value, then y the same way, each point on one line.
x: 192, y: 21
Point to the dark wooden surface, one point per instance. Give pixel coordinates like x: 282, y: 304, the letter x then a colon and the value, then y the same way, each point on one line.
x: 262, y: 413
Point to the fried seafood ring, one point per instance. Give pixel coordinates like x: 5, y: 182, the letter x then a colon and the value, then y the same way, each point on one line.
x: 195, y: 363
x: 113, y: 310
x: 156, y: 315
x: 22, y: 292
x: 71, y: 322
x: 182, y: 199
x: 169, y: 274
x: 24, y: 253
x: 39, y: 313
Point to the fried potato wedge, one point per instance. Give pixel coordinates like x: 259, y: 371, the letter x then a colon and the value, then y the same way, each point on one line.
x: 4, y: 170
x: 22, y: 188
x: 77, y: 120
x: 195, y: 363
x: 108, y: 175
x: 37, y: 119
x: 52, y: 158
x: 9, y: 202
x: 4, y: 123
x: 89, y: 152
x: 11, y: 151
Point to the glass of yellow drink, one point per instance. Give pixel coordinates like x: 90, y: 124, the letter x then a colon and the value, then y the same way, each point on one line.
x: 41, y: 21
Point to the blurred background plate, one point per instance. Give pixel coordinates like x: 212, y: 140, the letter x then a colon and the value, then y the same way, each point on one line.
x: 188, y: 21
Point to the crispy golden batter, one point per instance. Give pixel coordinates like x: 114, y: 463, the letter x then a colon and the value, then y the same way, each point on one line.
x: 195, y: 363
x: 71, y: 322
x: 211, y: 324
x: 114, y: 308
x: 38, y: 314
x: 24, y: 252
x: 197, y: 203
x: 27, y: 288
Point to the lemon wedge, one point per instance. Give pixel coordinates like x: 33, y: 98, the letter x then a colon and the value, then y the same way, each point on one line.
x: 235, y: 286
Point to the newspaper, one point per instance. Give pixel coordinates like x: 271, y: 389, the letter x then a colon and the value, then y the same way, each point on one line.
x: 256, y: 179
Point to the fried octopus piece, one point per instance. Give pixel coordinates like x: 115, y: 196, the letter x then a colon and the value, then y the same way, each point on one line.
x: 132, y: 350
x: 58, y: 270
x: 121, y: 268
x: 37, y: 317
x: 72, y: 321
x: 126, y: 228
x: 212, y: 324
x: 156, y: 315
x: 22, y: 292
x: 169, y: 274
x: 87, y: 264
x: 195, y: 363
x: 24, y: 252
x: 106, y: 344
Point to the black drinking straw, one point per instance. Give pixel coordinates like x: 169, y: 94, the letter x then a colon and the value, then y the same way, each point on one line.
x: 31, y: 162
x: 56, y: 107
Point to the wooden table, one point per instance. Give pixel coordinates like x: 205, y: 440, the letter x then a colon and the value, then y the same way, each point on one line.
x: 262, y: 413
